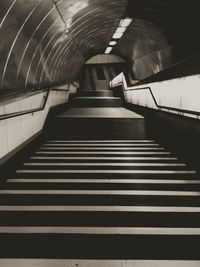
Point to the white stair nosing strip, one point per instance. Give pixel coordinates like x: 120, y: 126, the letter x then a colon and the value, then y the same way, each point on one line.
x: 146, y: 209
x: 96, y: 97
x: 105, y: 158
x: 101, y: 148
x: 100, y: 141
x: 96, y: 263
x: 108, y: 164
x: 103, y: 153
x: 103, y: 145
x: 105, y: 181
x: 101, y: 192
x: 100, y: 230
x: 108, y: 171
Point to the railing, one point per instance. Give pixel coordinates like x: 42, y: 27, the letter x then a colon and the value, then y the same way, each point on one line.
x: 125, y: 88
x: 197, y: 113
x: 31, y: 111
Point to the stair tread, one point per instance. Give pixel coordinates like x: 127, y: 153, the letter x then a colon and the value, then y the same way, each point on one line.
x: 97, y: 101
x: 102, y: 230
x: 106, y: 112
x: 96, y: 263
x: 97, y: 97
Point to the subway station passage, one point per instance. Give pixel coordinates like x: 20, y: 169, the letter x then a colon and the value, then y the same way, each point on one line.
x: 99, y: 133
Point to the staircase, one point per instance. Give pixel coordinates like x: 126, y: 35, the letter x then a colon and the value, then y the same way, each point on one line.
x: 92, y: 197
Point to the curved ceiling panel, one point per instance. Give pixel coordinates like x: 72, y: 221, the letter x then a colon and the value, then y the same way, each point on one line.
x: 46, y: 42
x: 163, y: 33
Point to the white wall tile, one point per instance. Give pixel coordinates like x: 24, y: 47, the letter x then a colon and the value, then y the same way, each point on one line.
x: 12, y: 107
x: 25, y: 104
x: 181, y: 93
x: 2, y: 110
x: 170, y: 96
x: 15, y: 131
x: 3, y: 139
x: 191, y: 93
x: 27, y: 127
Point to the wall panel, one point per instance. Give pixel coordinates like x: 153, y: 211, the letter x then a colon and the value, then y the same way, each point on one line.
x: 182, y: 94
x: 17, y: 130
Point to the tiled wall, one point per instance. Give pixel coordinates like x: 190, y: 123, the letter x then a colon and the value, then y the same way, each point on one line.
x: 181, y: 93
x: 15, y: 131
x: 22, y: 104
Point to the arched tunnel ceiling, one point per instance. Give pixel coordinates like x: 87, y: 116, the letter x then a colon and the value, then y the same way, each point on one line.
x: 45, y: 42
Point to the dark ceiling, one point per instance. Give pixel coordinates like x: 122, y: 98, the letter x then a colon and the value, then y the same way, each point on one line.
x: 46, y: 42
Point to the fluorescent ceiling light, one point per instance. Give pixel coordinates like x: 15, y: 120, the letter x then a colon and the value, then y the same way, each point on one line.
x: 125, y: 22
x: 121, y: 29
x: 108, y: 50
x: 113, y: 43
x: 117, y: 35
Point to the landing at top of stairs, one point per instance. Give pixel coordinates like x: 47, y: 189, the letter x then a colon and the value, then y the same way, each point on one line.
x: 100, y: 113
x: 96, y: 93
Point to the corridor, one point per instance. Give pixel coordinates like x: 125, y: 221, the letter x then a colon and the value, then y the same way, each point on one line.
x: 99, y: 130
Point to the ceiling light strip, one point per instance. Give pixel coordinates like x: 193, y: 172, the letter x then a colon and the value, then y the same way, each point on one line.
x: 121, y: 29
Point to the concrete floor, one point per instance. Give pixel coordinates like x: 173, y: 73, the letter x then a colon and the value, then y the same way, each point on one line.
x: 104, y: 112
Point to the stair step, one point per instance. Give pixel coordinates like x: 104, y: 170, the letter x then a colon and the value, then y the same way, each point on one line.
x: 102, y: 230
x: 105, y: 153
x: 96, y: 263
x: 100, y: 128
x: 97, y: 102
x: 107, y: 174
x: 101, y: 145
x: 101, y: 192
x: 106, y: 181
x: 96, y: 93
x: 103, y: 148
x: 93, y: 201
x: 163, y: 185
x: 101, y: 141
x: 107, y: 164
x: 97, y: 98
x: 141, y: 210
x: 107, y: 171
x: 83, y: 246
x: 103, y: 159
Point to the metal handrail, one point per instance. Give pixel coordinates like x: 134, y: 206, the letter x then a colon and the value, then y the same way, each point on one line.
x: 191, y: 112
x: 30, y: 111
